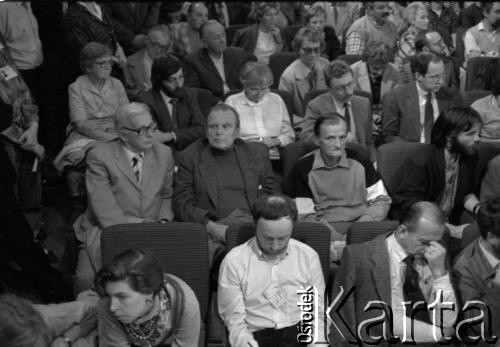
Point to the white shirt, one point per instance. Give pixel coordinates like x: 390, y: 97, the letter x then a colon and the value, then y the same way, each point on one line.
x: 219, y: 65
x: 423, y: 332
x: 470, y: 42
x: 264, y: 47
x: 422, y: 99
x: 130, y: 156
x: 340, y: 109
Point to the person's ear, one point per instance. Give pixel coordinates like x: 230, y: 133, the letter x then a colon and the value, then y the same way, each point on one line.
x: 316, y: 140
x: 418, y: 76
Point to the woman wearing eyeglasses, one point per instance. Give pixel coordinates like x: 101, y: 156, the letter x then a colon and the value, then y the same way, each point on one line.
x: 94, y: 99
x: 263, y: 115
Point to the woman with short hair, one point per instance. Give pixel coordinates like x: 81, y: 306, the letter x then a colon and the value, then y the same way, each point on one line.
x: 417, y: 19
x: 316, y: 20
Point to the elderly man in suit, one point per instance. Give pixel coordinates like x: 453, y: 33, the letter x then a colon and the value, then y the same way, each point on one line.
x: 215, y: 67
x: 219, y: 177
x: 138, y: 70
x: 406, y: 265
x: 409, y: 111
x: 356, y: 110
x: 128, y: 180
x: 174, y: 107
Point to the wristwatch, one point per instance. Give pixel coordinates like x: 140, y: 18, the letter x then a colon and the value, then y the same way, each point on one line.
x: 67, y: 340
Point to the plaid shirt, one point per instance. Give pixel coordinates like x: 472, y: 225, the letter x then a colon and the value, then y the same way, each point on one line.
x: 355, y: 43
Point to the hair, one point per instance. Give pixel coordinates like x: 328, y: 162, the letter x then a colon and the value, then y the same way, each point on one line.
x: 411, y: 10
x: 22, y: 325
x: 411, y: 216
x: 162, y: 69
x: 379, y: 52
x: 451, y: 122
x: 222, y: 107
x: 163, y: 29
x: 128, y: 111
x: 314, y: 11
x: 336, y: 69
x: 486, y: 6
x: 488, y: 217
x: 274, y: 207
x: 92, y: 51
x: 192, y: 6
x: 331, y: 118
x: 420, y: 62
x: 202, y: 29
x: 255, y: 73
x: 262, y: 7
x: 495, y: 88
x: 307, y: 34
x: 139, y: 268
x: 421, y: 40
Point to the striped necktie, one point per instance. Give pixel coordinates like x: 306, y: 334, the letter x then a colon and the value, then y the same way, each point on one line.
x: 135, y: 167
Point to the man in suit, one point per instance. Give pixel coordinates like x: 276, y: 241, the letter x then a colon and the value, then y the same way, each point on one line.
x: 128, y: 180
x: 409, y: 111
x: 138, y: 70
x: 408, y: 264
x: 356, y: 110
x: 131, y: 21
x: 219, y: 177
x: 174, y: 107
x: 215, y: 67
x: 476, y: 269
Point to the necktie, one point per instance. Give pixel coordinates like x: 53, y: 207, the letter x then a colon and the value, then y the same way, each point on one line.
x: 135, y: 167
x: 412, y: 291
x: 428, y: 118
x: 173, y: 113
x: 311, y: 78
x: 347, y: 117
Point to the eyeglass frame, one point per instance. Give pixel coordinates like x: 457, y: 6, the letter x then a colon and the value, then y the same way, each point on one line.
x: 143, y: 131
x: 102, y: 64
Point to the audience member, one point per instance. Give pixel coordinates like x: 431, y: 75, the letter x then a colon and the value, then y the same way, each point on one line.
x: 289, y: 13
x: 143, y: 306
x: 94, y: 99
x: 444, y: 170
x: 263, y: 115
x: 483, y: 39
x: 316, y: 20
x: 374, y: 26
x: 417, y: 19
x: 410, y: 110
x: 374, y: 73
x: 138, y: 70
x: 215, y: 67
x: 306, y: 73
x: 477, y: 273
x: 355, y: 109
x: 132, y: 21
x: 264, y: 38
x: 336, y: 184
x: 174, y: 107
x: 408, y: 264
x: 431, y: 41
x: 489, y: 110
x: 470, y: 15
x: 187, y: 36
x: 128, y: 181
x: 259, y: 280
x: 445, y: 21
x: 340, y: 15
x: 219, y: 177
x: 219, y: 11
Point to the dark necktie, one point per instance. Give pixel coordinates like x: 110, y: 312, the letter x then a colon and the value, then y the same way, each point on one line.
x: 347, y: 117
x: 135, y: 167
x: 429, y: 118
x: 412, y: 291
x: 311, y: 78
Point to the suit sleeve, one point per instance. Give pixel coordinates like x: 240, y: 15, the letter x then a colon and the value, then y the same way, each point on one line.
x: 196, y: 129
x: 391, y: 117
x: 312, y: 113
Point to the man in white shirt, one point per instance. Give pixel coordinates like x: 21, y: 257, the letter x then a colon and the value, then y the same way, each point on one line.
x: 417, y: 271
x: 259, y: 280
x: 483, y: 39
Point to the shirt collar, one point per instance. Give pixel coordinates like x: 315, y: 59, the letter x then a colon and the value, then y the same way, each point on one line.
x: 218, y: 60
x: 481, y: 27
x: 319, y: 163
x: 247, y: 101
x: 395, y: 250
x: 255, y: 248
x: 492, y: 260
x: 131, y: 154
x: 301, y: 70
x: 339, y: 105
x: 165, y: 96
x: 422, y: 93
x: 90, y: 86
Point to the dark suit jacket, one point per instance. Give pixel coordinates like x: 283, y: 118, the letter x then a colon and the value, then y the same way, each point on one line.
x: 131, y: 21
x: 246, y: 38
x: 401, y: 112
x: 473, y: 279
x: 201, y: 72
x: 422, y: 177
x: 189, y: 122
x: 195, y: 190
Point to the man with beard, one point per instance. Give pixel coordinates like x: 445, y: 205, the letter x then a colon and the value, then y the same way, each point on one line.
x: 259, y: 280
x: 443, y: 171
x: 174, y: 107
x: 484, y: 38
x: 409, y: 111
x: 477, y: 270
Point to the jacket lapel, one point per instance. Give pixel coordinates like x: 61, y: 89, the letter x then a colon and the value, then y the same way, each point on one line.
x: 163, y: 113
x: 364, y: 79
x: 413, y: 108
x: 208, y: 63
x: 360, y: 127
x: 207, y: 173
x: 124, y: 165
x: 387, y: 81
x: 380, y: 272
x: 147, y: 168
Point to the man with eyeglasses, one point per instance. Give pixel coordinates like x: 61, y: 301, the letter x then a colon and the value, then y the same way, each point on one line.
x: 356, y: 110
x: 215, y: 67
x: 409, y: 111
x: 138, y: 70
x: 129, y: 180
x: 409, y: 265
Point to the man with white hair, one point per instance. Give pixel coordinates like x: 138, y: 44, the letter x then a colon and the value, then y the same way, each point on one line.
x: 128, y: 180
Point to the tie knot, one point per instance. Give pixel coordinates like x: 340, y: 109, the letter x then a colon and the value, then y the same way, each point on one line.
x: 409, y: 260
x: 173, y: 101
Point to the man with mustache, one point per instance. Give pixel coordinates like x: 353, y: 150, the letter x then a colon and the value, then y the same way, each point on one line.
x: 443, y: 171
x: 374, y: 26
x: 174, y: 107
x: 484, y: 38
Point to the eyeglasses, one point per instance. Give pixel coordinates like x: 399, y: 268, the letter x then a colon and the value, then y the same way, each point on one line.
x: 259, y: 90
x: 309, y: 50
x: 106, y: 63
x: 436, y: 77
x: 157, y: 46
x: 143, y: 131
